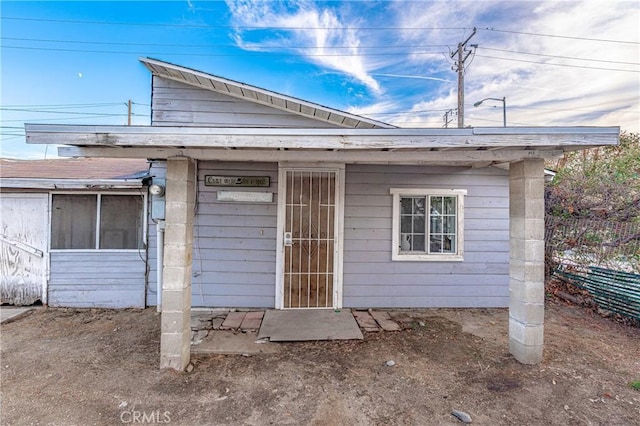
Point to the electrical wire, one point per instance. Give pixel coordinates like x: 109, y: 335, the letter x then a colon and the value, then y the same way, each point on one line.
x: 252, y: 53
x: 216, y: 46
x: 562, y: 36
x: 557, y: 65
x: 228, y: 27
x: 558, y: 56
x: 62, y: 112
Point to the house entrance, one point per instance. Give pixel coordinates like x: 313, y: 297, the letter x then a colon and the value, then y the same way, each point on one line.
x: 309, y: 259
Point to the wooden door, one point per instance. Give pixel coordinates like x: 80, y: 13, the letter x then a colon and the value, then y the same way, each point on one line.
x: 24, y: 222
x: 310, y: 210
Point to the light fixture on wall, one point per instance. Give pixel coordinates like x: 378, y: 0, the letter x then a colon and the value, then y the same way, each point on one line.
x: 156, y: 190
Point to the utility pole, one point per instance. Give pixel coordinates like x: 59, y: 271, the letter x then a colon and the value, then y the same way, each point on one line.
x: 129, y: 113
x: 446, y: 118
x: 462, y: 54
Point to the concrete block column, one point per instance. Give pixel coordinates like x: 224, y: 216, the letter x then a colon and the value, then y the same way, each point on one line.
x: 526, y: 260
x: 175, y: 338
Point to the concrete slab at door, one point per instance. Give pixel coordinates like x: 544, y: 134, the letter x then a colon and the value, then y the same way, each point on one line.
x: 308, y: 324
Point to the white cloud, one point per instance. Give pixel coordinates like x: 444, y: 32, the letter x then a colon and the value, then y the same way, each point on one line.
x: 542, y: 93
x: 317, y: 33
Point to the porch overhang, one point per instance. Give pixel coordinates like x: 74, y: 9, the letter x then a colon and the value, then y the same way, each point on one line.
x: 468, y: 146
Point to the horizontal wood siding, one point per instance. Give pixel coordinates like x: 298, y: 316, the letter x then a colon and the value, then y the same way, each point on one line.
x: 97, y: 279
x: 371, y: 279
x: 179, y: 104
x: 234, y: 243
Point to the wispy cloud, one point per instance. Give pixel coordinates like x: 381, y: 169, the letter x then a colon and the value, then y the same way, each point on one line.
x: 315, y: 32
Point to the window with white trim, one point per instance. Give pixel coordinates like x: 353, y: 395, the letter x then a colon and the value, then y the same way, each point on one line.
x: 97, y: 221
x: 428, y: 224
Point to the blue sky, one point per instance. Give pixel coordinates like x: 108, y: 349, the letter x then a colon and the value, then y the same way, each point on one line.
x: 557, y: 63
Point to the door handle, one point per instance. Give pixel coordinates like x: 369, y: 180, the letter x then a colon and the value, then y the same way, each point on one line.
x: 288, y: 239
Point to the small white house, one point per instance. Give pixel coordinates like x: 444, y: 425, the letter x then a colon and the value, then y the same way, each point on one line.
x: 264, y: 200
x: 73, y: 232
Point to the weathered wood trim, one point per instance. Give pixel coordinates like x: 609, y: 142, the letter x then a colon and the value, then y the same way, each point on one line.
x: 292, y: 138
x: 315, y: 156
x: 26, y: 183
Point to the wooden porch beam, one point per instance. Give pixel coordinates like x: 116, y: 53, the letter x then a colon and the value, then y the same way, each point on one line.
x: 363, y: 157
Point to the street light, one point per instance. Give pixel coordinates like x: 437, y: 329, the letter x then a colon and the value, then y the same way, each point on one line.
x: 504, y: 107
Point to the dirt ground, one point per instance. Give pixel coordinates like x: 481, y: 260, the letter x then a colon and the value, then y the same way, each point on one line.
x: 100, y: 367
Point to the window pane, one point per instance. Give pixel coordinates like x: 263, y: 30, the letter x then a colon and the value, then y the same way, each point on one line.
x: 449, y: 224
x: 405, y: 205
x: 443, y: 222
x: 405, y: 242
x: 121, y: 222
x: 418, y: 225
x: 449, y: 205
x: 436, y: 225
x: 450, y: 244
x: 418, y: 206
x: 418, y: 243
x: 405, y: 224
x: 412, y: 224
x: 73, y: 221
x: 435, y: 245
x: 436, y: 205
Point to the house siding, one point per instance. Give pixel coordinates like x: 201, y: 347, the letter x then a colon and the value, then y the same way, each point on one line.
x: 234, y: 251
x: 101, y: 279
x: 235, y: 243
x: 372, y: 279
x: 179, y: 104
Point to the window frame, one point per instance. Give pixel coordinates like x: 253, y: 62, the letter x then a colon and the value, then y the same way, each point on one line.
x: 397, y: 254
x: 99, y: 195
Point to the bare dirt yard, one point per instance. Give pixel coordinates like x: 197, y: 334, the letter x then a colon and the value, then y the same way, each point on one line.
x: 100, y: 367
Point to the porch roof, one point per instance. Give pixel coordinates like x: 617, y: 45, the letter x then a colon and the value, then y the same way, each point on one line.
x: 486, y: 145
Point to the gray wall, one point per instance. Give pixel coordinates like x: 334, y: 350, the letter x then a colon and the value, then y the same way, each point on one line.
x: 235, y: 243
x: 97, y: 279
x: 179, y: 104
x: 371, y: 279
x: 234, y: 252
x: 234, y: 255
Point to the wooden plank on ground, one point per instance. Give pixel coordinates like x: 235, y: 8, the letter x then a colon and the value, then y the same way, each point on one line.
x: 252, y: 321
x: 384, y: 320
x: 365, y: 321
x: 233, y: 320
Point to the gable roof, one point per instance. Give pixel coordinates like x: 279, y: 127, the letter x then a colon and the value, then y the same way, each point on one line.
x: 261, y: 96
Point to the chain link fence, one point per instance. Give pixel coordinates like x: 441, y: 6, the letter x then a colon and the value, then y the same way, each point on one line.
x: 583, y: 243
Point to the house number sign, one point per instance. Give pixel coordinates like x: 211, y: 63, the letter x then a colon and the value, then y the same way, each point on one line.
x: 249, y: 181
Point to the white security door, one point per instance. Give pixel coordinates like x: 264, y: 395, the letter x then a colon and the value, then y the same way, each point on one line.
x: 24, y: 220
x: 310, y: 239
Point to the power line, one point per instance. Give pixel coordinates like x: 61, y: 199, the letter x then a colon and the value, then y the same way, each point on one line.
x: 214, y: 46
x: 228, y: 27
x: 557, y: 65
x: 64, y: 105
x: 53, y: 49
x: 29, y: 120
x: 42, y: 111
x: 559, y: 57
x: 562, y: 36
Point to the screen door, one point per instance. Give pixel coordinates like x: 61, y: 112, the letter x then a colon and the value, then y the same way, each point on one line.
x: 309, y: 238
